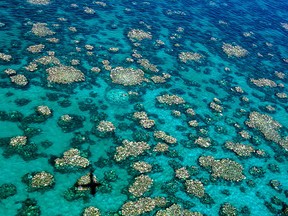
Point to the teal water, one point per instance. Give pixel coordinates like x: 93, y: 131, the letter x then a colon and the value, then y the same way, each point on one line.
x: 259, y: 29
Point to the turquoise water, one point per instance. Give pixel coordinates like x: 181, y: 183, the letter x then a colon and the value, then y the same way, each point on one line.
x: 256, y: 35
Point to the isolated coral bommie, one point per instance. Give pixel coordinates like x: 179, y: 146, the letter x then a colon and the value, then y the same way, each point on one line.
x: 64, y: 75
x: 195, y: 187
x: 138, y: 35
x: 177, y: 210
x: 5, y: 57
x: 240, y: 149
x: 268, y: 127
x: 18, y: 141
x: 42, y: 180
x: 144, y: 205
x: 141, y: 185
x: 39, y: 2
x: 127, y: 76
x: 41, y: 30
x: 91, y: 211
x: 225, y: 168
x: 71, y: 159
x: 130, y: 149
x: 190, y: 56
x: 170, y: 99
x: 234, y: 51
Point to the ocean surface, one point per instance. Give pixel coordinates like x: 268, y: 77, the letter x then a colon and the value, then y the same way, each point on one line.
x: 175, y: 107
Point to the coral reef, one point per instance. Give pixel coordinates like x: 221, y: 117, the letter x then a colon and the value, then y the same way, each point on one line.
x: 64, y: 75
x: 129, y: 149
x: 225, y: 168
x: 71, y: 160
x: 127, y: 76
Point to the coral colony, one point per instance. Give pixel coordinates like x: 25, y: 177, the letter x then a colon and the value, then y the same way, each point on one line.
x: 127, y: 108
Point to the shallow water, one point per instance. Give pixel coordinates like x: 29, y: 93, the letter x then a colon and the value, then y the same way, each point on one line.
x: 184, y: 44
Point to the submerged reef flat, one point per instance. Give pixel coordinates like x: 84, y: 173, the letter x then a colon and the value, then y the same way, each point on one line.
x: 139, y: 108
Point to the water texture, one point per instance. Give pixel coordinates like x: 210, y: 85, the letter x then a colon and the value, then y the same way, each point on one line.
x: 167, y: 107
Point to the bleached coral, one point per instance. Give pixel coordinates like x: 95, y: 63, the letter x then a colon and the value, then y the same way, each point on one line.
x: 64, y: 74
x: 130, y: 148
x: 127, y: 76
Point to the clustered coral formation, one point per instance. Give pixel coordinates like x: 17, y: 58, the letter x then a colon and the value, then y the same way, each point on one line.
x: 66, y: 118
x: 36, y: 48
x: 161, y: 79
x: 113, y: 49
x: 268, y: 127
x: 145, y: 63
x: 64, y: 74
x: 106, y: 65
x: 234, y: 50
x: 193, y: 123
x: 49, y: 59
x: 91, y: 211
x: 81, y: 191
x: 140, y: 115
x: 263, y: 82
x: 129, y: 149
x: 190, y: 56
x: 170, y: 99
x: 5, y: 57
x: 10, y: 71
x: 215, y: 105
x: 144, y: 205
x: 282, y: 95
x: 195, y: 187
x: 285, y: 26
x: 238, y: 89
x: 44, y: 110
x: 95, y: 69
x: 176, y: 113
x: 39, y: 2
x: 144, y: 121
x: 138, y: 35
x: 52, y: 40
x: 141, y: 185
x: 147, y: 123
x: 203, y: 142
x: 85, y: 179
x: 240, y: 149
x: 19, y: 80
x: 89, y: 10
x: 31, y: 67
x: 182, y: 173
x: 177, y: 210
x: 100, y: 3
x: 18, y: 141
x: 77, y: 191
x: 127, y: 76
x: 142, y: 166
x: 42, y: 180
x: 162, y: 136
x: 227, y: 209
x: 245, y: 134
x: 71, y: 159
x: 105, y: 126
x: 161, y: 147
x: 279, y: 74
x: 190, y: 112
x: 224, y: 168
x: 41, y: 30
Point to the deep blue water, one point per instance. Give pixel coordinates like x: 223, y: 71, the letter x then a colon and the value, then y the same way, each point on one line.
x: 255, y: 31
